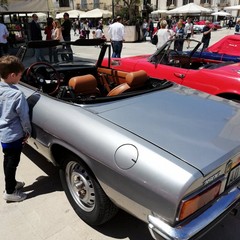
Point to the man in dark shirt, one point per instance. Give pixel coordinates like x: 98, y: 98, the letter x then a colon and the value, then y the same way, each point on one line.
x: 36, y: 35
x: 66, y: 29
x: 206, y: 35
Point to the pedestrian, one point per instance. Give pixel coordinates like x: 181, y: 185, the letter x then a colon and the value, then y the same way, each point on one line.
x: 36, y: 35
x: 163, y: 34
x: 188, y: 29
x: 116, y: 33
x: 66, y: 30
x: 230, y: 23
x: 75, y: 26
x: 206, y: 34
x: 99, y: 33
x: 3, y: 39
x: 237, y: 27
x: 15, y: 127
x: 150, y: 28
x: 145, y: 29
x: 86, y: 28
x: 180, y: 34
x: 48, y: 32
x: 57, y: 35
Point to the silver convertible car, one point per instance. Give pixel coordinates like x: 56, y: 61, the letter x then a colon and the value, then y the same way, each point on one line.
x: 167, y: 154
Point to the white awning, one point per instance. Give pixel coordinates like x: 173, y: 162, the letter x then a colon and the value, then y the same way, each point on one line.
x: 72, y: 14
x: 221, y: 14
x: 189, y: 8
x: 97, y: 13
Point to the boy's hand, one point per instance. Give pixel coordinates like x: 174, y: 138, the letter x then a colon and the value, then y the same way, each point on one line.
x: 25, y: 138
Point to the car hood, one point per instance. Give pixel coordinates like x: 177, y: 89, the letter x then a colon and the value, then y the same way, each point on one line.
x: 200, y: 129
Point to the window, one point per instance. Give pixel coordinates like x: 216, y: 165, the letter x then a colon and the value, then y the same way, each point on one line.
x: 64, y: 3
x: 187, y: 2
x: 96, y: 4
x: 171, y: 2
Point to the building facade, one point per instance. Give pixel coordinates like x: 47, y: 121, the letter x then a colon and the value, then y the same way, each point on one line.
x: 85, y: 5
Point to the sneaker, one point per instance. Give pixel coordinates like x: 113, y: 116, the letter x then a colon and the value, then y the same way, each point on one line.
x: 19, y: 185
x: 16, y: 196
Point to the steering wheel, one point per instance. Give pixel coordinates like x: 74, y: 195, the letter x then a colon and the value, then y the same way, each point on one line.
x: 173, y: 57
x: 44, y: 76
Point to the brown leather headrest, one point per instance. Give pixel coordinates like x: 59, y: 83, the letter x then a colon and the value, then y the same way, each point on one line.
x: 136, y: 79
x: 83, y: 84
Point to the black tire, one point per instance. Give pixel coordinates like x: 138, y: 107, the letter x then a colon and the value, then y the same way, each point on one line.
x: 85, y: 193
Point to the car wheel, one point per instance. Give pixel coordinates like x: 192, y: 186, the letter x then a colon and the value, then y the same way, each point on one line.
x: 85, y: 193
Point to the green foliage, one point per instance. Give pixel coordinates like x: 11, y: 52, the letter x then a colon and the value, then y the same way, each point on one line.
x: 129, y: 10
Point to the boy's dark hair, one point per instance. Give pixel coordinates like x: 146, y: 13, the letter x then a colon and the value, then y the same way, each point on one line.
x: 10, y: 64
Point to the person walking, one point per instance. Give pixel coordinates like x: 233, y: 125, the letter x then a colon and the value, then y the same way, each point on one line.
x: 36, y: 35
x: 179, y: 33
x: 188, y: 30
x: 144, y: 29
x: 15, y: 127
x: 66, y: 30
x: 86, y: 28
x: 57, y: 35
x: 163, y: 34
x: 151, y: 28
x: 206, y: 35
x: 237, y: 27
x: 3, y: 39
x: 48, y: 32
x: 116, y: 33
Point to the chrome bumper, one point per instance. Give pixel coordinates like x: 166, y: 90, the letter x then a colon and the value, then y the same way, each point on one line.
x: 161, y: 230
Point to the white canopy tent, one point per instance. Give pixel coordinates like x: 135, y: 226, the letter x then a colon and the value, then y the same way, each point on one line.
x: 158, y: 12
x: 190, y: 8
x: 97, y: 13
x: 72, y: 14
x: 221, y: 13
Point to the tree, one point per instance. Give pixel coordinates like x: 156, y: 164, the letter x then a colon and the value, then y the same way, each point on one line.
x: 130, y: 10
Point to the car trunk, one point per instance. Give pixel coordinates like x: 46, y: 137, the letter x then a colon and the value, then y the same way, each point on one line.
x: 198, y: 130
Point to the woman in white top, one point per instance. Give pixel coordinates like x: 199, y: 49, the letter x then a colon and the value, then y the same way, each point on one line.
x: 163, y: 34
x: 57, y: 35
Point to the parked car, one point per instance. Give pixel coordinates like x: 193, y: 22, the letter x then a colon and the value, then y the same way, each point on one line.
x: 165, y: 153
x: 198, y: 26
x: 226, y: 49
x: 176, y: 63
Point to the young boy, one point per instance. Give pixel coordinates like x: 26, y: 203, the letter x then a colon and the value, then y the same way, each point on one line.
x: 15, y: 127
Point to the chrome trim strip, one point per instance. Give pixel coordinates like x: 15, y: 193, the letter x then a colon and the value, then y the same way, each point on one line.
x: 161, y: 230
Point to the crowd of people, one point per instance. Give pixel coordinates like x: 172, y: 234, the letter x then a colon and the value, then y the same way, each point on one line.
x: 181, y: 29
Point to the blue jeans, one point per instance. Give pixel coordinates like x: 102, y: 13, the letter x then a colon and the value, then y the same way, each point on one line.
x: 68, y: 57
x: 39, y: 55
x: 117, y: 49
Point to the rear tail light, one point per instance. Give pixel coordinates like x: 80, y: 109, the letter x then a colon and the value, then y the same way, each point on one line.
x: 194, y: 203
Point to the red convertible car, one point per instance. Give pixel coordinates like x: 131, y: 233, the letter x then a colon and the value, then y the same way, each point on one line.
x: 226, y: 49
x: 173, y: 62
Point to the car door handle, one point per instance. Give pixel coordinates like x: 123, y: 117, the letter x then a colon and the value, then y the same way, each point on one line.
x: 179, y: 75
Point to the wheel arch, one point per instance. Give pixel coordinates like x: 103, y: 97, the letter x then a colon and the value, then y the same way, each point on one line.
x: 60, y: 153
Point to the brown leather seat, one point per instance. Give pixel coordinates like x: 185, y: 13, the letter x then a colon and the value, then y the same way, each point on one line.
x: 118, y: 89
x: 86, y: 85
x: 136, y: 79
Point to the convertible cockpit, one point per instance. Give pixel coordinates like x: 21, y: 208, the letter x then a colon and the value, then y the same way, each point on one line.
x: 100, y: 84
